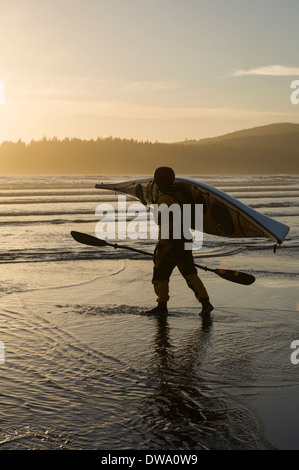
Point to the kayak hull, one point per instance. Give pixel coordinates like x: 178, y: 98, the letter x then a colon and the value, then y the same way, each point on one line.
x: 223, y: 215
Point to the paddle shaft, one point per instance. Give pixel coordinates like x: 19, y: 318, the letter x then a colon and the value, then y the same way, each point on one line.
x: 205, y: 268
x: 229, y: 275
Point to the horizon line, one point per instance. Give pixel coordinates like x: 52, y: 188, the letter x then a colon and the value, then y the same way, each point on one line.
x: 54, y: 137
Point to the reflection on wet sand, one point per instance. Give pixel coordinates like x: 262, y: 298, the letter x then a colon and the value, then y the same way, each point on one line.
x: 177, y: 411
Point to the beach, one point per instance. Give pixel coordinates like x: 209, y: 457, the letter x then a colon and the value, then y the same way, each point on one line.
x: 85, y: 368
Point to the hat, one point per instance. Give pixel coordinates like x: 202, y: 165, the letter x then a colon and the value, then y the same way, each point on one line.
x: 164, y: 175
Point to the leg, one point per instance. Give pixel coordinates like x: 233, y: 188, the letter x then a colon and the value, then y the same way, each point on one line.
x: 196, y: 284
x: 161, y: 275
x: 189, y: 272
x: 163, y: 268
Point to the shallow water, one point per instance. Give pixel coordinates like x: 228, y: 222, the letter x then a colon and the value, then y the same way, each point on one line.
x: 86, y: 369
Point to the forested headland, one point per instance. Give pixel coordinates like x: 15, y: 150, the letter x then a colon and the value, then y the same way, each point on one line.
x: 264, y: 150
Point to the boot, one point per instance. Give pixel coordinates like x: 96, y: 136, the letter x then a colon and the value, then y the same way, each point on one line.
x: 207, y: 307
x: 161, y: 309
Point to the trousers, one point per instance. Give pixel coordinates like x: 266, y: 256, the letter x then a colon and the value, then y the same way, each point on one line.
x: 167, y: 257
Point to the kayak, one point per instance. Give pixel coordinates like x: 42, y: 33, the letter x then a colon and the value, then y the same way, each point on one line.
x: 223, y: 215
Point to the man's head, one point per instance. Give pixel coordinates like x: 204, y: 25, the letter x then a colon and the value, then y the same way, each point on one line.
x: 164, y: 177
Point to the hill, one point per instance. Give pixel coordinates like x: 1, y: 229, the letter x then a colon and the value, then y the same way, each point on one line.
x: 267, y: 149
x: 269, y: 130
x: 272, y: 149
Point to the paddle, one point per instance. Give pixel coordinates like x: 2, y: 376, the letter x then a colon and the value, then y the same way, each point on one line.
x: 228, y: 274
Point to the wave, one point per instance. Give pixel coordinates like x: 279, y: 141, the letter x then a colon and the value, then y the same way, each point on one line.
x: 210, y: 250
x: 274, y: 204
x: 45, y: 210
x: 47, y: 219
x: 54, y: 200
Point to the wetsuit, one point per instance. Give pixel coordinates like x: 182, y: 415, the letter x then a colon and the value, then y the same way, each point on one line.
x: 170, y: 252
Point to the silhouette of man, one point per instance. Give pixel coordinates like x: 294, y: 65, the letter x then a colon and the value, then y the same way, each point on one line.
x: 170, y: 251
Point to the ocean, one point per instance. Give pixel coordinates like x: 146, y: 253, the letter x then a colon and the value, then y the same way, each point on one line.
x: 83, y: 368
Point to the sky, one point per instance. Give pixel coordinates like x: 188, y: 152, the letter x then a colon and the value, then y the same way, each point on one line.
x: 157, y: 70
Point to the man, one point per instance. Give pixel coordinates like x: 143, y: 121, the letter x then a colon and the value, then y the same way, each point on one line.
x: 170, y: 251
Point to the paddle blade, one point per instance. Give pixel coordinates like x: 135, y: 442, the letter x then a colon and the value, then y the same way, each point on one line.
x: 235, y: 276
x: 86, y: 239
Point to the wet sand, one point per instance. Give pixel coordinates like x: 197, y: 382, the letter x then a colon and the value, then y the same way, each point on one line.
x: 85, y: 368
